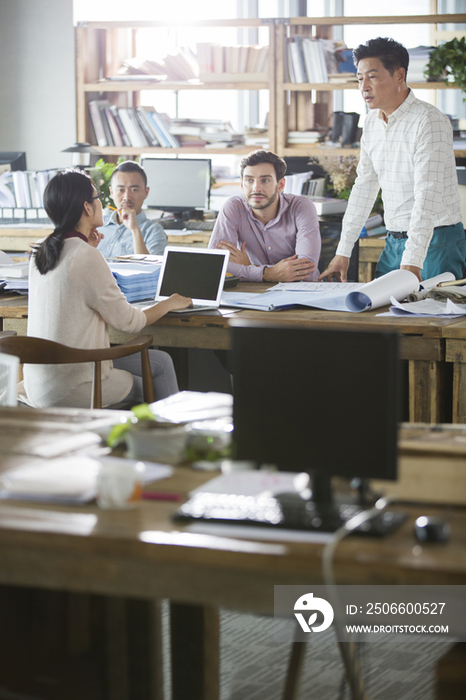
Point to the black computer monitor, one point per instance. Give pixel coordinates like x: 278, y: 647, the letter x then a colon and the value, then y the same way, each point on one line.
x: 178, y: 184
x: 326, y: 402
x: 15, y: 159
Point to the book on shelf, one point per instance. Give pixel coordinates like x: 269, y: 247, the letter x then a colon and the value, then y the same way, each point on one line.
x: 181, y: 66
x: 117, y: 119
x: 96, y: 120
x: 116, y: 135
x: 310, y: 60
x: 163, y: 130
x: 147, y: 127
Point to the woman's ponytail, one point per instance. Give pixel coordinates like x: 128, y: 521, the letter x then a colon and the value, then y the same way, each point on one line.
x: 64, y: 199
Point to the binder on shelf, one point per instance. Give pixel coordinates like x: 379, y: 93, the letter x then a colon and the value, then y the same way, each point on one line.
x: 33, y: 216
x: 6, y: 215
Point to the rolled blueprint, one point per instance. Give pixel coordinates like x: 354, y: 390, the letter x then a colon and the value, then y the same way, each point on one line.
x: 397, y: 283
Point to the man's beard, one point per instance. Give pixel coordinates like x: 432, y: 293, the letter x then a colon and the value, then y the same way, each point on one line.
x: 263, y: 203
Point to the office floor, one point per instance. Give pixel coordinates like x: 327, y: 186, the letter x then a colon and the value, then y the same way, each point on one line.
x: 253, y: 666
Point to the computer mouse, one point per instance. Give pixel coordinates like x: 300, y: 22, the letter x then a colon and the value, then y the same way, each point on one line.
x: 430, y: 528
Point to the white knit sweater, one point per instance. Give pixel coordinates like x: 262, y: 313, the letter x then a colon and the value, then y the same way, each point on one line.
x: 73, y: 304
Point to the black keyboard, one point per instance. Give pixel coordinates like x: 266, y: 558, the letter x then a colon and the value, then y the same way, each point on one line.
x: 191, y: 225
x: 286, y: 510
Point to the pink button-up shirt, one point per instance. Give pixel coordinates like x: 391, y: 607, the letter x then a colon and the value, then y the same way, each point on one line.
x: 294, y: 231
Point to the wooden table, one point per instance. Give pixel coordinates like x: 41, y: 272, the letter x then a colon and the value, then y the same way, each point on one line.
x: 98, y: 576
x: 422, y: 342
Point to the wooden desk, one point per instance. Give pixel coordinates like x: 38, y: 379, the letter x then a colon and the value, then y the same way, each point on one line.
x: 422, y: 342
x: 22, y: 239
x: 135, y: 558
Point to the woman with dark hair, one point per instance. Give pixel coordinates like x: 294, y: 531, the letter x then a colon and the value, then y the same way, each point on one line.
x: 73, y: 298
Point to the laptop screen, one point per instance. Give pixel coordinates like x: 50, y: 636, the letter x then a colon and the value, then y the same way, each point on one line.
x: 196, y: 273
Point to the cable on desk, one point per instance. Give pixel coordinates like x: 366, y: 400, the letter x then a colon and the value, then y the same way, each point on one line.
x: 347, y: 646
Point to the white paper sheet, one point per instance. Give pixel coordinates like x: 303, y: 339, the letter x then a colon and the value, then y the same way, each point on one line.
x: 426, y: 307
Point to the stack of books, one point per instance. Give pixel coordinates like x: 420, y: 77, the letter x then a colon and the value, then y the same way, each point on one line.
x: 205, y: 132
x: 176, y: 67
x: 129, y: 126
x: 239, y: 63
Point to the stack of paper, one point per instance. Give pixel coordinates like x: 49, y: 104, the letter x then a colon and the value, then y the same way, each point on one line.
x: 136, y: 280
x: 13, y: 275
x: 68, y: 479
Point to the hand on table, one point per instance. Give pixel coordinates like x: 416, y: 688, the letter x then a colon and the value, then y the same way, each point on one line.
x: 338, y: 267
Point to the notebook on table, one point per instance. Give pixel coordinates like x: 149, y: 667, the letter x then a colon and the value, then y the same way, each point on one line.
x: 198, y: 273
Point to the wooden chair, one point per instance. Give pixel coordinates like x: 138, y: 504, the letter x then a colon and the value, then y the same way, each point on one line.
x: 38, y: 351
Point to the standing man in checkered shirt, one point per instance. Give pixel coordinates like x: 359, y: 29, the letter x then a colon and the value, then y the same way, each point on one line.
x: 407, y: 151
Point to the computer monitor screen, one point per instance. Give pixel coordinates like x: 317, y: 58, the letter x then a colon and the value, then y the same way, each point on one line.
x: 14, y: 160
x: 322, y: 401
x: 178, y: 184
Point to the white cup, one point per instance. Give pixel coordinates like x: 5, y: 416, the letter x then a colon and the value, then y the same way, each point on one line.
x: 119, y: 483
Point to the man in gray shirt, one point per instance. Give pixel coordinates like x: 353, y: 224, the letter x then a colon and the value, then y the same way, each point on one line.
x: 127, y: 230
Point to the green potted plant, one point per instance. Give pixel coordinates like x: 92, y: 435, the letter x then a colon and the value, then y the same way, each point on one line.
x: 448, y: 62
x: 102, y: 173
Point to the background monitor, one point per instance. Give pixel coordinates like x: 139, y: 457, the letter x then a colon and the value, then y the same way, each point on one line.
x: 15, y: 159
x: 178, y: 184
x: 326, y: 402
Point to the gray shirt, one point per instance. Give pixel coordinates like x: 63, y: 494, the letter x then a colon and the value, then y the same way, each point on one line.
x: 119, y: 239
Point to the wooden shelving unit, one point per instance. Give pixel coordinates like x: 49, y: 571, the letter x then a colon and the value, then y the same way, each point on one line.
x: 101, y: 46
x: 293, y: 99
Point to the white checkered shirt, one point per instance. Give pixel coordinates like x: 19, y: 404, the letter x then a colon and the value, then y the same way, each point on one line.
x: 411, y: 158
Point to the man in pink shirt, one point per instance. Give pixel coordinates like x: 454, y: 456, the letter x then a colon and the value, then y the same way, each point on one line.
x: 271, y: 236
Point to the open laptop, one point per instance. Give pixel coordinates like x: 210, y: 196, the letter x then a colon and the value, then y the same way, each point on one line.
x: 198, y: 273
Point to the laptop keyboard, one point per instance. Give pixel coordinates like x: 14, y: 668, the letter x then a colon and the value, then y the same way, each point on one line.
x: 195, y: 307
